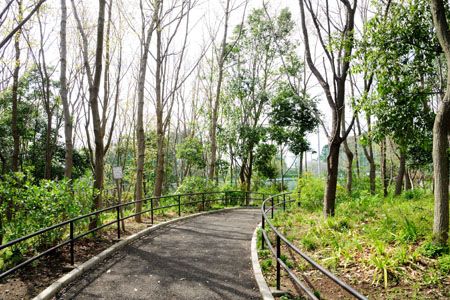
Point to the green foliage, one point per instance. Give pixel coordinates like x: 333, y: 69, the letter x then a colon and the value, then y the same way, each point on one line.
x: 264, y: 155
x: 291, y: 118
x: 430, y: 249
x: 400, y: 49
x: 310, y: 191
x: 30, y: 207
x: 191, y: 150
x: 444, y: 264
x: 370, y: 236
x: 195, y: 184
x: 259, y: 48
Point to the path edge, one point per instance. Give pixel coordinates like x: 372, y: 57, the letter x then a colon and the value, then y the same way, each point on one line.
x: 262, y: 284
x: 66, y: 279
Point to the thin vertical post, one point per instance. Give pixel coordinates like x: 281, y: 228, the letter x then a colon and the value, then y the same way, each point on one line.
x: 284, y: 202
x: 151, y: 209
x: 179, y: 205
x: 72, y: 254
x: 263, y: 197
x: 272, y: 207
x: 278, y: 263
x: 263, y: 227
x: 118, y: 221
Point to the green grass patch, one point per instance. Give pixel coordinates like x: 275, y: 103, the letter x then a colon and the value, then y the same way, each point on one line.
x: 383, y: 242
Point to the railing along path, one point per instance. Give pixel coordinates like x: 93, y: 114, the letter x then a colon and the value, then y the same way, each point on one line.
x: 228, y: 198
x: 280, y: 201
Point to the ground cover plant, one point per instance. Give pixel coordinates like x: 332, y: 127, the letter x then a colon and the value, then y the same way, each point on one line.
x: 381, y: 246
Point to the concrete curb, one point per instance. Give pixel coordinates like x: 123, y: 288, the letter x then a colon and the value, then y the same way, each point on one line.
x: 262, y: 284
x: 59, y: 284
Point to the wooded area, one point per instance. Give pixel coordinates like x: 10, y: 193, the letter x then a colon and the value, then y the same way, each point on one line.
x: 191, y: 96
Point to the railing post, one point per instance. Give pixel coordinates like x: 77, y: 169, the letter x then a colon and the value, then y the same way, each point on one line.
x: 263, y: 196
x: 151, y: 209
x: 263, y: 227
x: 118, y: 222
x: 278, y: 263
x: 179, y: 205
x: 272, y: 207
x: 225, y: 199
x: 72, y: 254
x: 284, y: 202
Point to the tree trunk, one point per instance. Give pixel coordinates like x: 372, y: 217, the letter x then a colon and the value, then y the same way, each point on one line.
x: 306, y: 161
x: 368, y: 153
x: 248, y: 184
x: 300, y: 165
x: 441, y: 172
x: 356, y: 153
x: 401, y: 174
x: 384, y: 178
x: 408, y: 185
x: 93, y: 100
x: 349, y: 155
x: 215, y: 109
x: 140, y: 134
x: 372, y: 175
x: 68, y: 124
x: 440, y: 134
x: 332, y: 176
x: 281, y: 169
x: 231, y: 163
x: 15, y: 99
x: 159, y: 120
x: 48, y: 146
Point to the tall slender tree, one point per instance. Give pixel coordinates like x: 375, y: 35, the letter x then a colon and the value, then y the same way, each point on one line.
x: 68, y: 122
x: 94, y: 80
x: 216, y: 101
x: 146, y: 37
x: 440, y: 132
x: 338, y: 52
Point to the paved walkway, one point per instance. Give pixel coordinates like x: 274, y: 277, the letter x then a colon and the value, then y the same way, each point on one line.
x: 206, y: 257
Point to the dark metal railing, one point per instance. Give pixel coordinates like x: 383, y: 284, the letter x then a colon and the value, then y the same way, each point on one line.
x: 281, y: 201
x: 228, y: 198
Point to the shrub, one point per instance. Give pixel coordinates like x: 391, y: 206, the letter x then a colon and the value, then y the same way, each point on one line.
x: 195, y: 184
x: 310, y: 191
x: 31, y: 206
x: 444, y: 264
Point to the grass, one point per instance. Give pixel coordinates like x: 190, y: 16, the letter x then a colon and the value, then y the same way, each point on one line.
x: 383, y: 245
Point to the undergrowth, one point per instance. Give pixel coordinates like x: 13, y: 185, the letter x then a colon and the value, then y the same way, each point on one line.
x: 385, y: 243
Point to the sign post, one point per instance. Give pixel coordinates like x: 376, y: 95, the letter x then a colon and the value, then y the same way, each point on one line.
x: 117, y: 176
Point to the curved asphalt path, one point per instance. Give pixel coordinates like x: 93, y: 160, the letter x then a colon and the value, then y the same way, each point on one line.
x: 206, y: 257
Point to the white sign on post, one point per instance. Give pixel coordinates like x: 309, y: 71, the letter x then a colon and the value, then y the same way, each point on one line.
x: 117, y: 173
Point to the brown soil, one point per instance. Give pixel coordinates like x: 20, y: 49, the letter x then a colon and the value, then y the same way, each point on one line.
x: 32, y: 279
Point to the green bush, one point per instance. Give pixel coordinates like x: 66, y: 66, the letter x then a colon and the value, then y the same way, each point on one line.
x: 444, y: 264
x: 310, y: 191
x: 27, y: 206
x: 193, y: 185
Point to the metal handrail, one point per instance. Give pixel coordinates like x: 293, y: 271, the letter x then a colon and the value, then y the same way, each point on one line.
x: 277, y: 253
x: 72, y: 238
